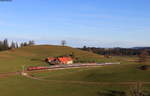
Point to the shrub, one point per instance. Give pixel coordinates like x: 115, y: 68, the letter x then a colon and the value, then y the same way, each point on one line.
x: 144, y: 67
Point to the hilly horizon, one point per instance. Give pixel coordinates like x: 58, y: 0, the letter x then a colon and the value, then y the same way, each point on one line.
x: 14, y: 59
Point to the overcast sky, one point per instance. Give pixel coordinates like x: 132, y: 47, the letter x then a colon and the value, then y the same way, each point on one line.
x: 101, y: 23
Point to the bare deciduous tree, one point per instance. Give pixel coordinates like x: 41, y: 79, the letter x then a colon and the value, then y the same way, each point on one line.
x: 63, y: 42
x: 143, y: 56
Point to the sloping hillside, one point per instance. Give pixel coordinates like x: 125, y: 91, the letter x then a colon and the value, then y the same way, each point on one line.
x: 66, y: 82
x: 13, y: 60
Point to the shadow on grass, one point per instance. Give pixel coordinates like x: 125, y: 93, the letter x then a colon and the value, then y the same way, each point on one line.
x: 122, y: 93
x: 112, y: 93
x: 37, y: 60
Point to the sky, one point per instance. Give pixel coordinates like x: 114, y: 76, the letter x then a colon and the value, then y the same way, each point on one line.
x: 99, y: 23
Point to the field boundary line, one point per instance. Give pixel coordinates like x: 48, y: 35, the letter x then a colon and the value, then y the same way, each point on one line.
x: 87, y: 82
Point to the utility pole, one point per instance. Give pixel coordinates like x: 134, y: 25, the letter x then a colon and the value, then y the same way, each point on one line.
x: 23, y: 71
x: 23, y: 68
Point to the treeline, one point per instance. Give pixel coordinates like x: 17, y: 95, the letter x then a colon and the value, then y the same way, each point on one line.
x: 5, y: 45
x: 115, y: 51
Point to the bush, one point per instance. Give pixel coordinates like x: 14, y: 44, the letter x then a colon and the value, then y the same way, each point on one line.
x: 144, y: 67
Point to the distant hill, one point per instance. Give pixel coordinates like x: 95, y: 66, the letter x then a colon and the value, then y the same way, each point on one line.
x: 34, y: 55
x: 140, y: 48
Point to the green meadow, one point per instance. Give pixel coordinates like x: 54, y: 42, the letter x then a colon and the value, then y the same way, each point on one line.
x: 67, y: 82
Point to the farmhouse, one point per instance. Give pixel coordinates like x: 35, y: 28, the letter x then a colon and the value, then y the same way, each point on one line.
x: 59, y: 60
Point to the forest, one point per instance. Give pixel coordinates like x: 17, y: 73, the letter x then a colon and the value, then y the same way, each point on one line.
x: 135, y: 51
x: 6, y: 45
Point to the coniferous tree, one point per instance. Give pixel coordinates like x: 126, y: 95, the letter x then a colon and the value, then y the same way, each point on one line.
x: 25, y: 44
x: 22, y: 44
x: 6, y: 45
x: 17, y: 46
x: 1, y: 46
x: 13, y: 45
x: 31, y: 42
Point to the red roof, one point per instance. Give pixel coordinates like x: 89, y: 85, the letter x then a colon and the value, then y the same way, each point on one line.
x: 50, y: 58
x: 65, y: 59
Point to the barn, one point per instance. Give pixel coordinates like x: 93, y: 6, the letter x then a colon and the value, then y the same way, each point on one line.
x: 65, y: 60
x: 59, y: 60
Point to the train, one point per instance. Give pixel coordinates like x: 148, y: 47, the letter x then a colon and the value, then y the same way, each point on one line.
x: 32, y: 68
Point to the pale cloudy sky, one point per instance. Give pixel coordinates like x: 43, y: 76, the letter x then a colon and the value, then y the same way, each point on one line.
x: 101, y: 23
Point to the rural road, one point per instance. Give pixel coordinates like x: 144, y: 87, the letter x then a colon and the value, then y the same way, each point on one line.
x: 2, y: 75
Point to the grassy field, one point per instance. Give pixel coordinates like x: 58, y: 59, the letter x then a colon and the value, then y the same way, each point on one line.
x: 113, y: 73
x: 60, y: 82
x: 48, y: 84
x: 13, y: 60
x: 21, y: 86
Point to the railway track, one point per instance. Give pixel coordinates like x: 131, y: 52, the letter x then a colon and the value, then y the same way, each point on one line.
x: 63, y: 66
x: 56, y: 67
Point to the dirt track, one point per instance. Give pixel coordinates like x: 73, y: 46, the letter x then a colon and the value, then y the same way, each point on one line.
x: 3, y: 75
x: 89, y: 82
